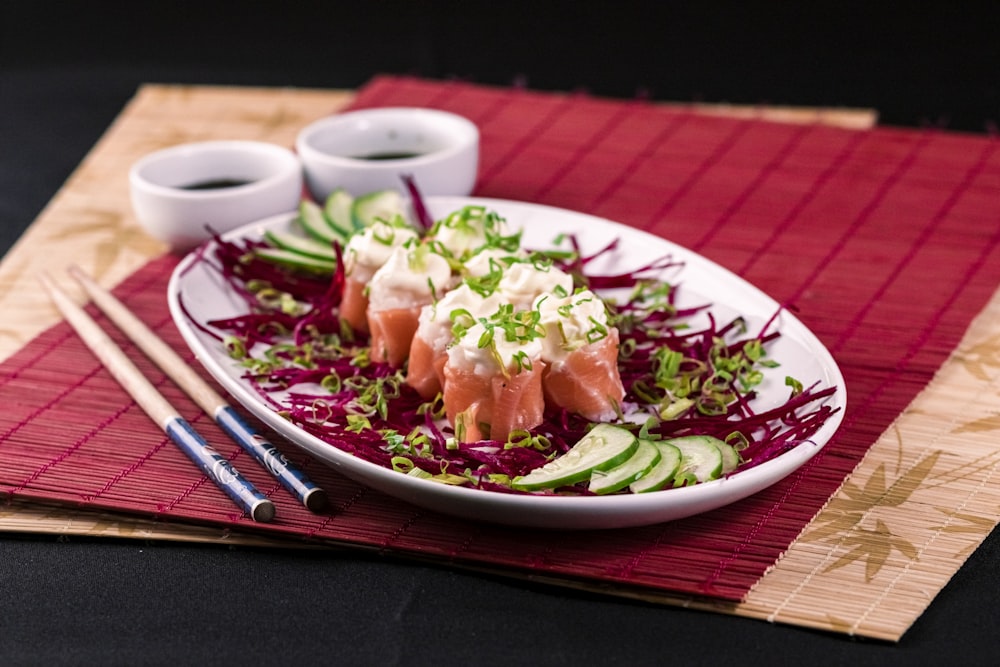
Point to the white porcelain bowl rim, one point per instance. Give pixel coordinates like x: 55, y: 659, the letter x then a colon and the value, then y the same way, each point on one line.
x: 459, y: 131
x: 281, y: 163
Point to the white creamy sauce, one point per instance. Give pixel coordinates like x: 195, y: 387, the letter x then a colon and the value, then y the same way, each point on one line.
x: 524, y: 282
x: 569, y: 322
x: 463, y: 234
x: 468, y: 354
x: 487, y: 260
x: 369, y: 250
x: 410, y: 277
x: 435, y: 325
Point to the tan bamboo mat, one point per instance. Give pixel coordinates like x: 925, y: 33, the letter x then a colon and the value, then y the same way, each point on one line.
x: 921, y: 500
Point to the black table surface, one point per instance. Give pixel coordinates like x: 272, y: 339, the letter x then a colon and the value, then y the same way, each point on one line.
x: 67, y: 69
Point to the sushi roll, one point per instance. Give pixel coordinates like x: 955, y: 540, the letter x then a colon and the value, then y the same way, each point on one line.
x: 460, y: 307
x: 580, y: 350
x: 493, y: 378
x: 469, y: 229
x: 365, y: 253
x: 412, y: 277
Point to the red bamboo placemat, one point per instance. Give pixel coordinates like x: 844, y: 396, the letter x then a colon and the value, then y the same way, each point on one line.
x: 884, y: 241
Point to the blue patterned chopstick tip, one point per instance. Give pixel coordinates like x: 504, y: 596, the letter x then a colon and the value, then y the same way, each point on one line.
x: 269, y: 456
x: 220, y: 470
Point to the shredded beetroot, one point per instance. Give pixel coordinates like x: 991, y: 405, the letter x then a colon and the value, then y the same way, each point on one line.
x: 371, y: 411
x: 420, y: 212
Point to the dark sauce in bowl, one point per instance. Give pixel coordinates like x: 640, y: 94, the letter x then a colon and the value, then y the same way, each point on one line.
x: 386, y: 156
x: 216, y: 184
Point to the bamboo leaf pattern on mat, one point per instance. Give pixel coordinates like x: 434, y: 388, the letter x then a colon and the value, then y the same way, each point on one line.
x: 861, y: 521
x: 874, y: 548
x: 842, y: 521
x: 108, y: 233
x: 988, y: 423
x: 846, y: 521
x: 976, y: 526
x: 167, y: 135
x: 982, y: 358
x: 274, y: 119
x: 843, y: 515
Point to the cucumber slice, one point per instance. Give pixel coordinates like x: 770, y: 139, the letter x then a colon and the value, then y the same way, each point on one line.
x: 315, y: 225
x: 338, y: 211
x: 730, y: 457
x: 663, y: 472
x: 301, y: 244
x: 296, y: 260
x: 637, y: 466
x: 384, y: 204
x: 606, y: 446
x: 701, y: 459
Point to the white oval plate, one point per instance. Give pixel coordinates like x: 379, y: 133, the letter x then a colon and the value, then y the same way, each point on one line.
x: 206, y: 297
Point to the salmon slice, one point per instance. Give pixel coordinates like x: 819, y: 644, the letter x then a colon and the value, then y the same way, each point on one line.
x: 408, y: 281
x: 468, y: 428
x: 586, y: 381
x: 392, y: 332
x: 425, y: 372
x: 354, y: 305
x: 518, y: 401
x: 493, y: 405
x: 468, y: 388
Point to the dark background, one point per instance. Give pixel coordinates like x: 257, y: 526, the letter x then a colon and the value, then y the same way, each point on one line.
x: 918, y: 64
x: 67, y: 68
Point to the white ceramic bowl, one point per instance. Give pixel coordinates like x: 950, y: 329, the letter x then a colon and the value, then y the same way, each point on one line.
x: 180, y: 193
x: 371, y: 149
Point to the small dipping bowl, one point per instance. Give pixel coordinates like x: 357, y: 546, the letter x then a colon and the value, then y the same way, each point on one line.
x: 182, y: 194
x: 371, y: 149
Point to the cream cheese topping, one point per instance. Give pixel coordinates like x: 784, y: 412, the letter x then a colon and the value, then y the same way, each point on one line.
x: 468, y: 229
x: 570, y: 322
x: 523, y: 282
x: 411, y: 276
x: 470, y: 354
x: 435, y: 325
x: 488, y: 260
x: 367, y: 251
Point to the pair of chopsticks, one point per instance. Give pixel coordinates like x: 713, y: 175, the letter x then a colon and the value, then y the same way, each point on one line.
x: 215, y: 466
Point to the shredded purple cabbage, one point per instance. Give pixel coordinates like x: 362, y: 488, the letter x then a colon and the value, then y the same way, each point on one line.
x: 370, y: 411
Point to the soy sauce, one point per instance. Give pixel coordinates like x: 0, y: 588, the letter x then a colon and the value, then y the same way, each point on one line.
x: 386, y: 156
x: 216, y: 184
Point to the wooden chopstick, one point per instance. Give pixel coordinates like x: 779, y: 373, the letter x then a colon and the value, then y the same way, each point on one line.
x: 214, y: 465
x: 214, y: 405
